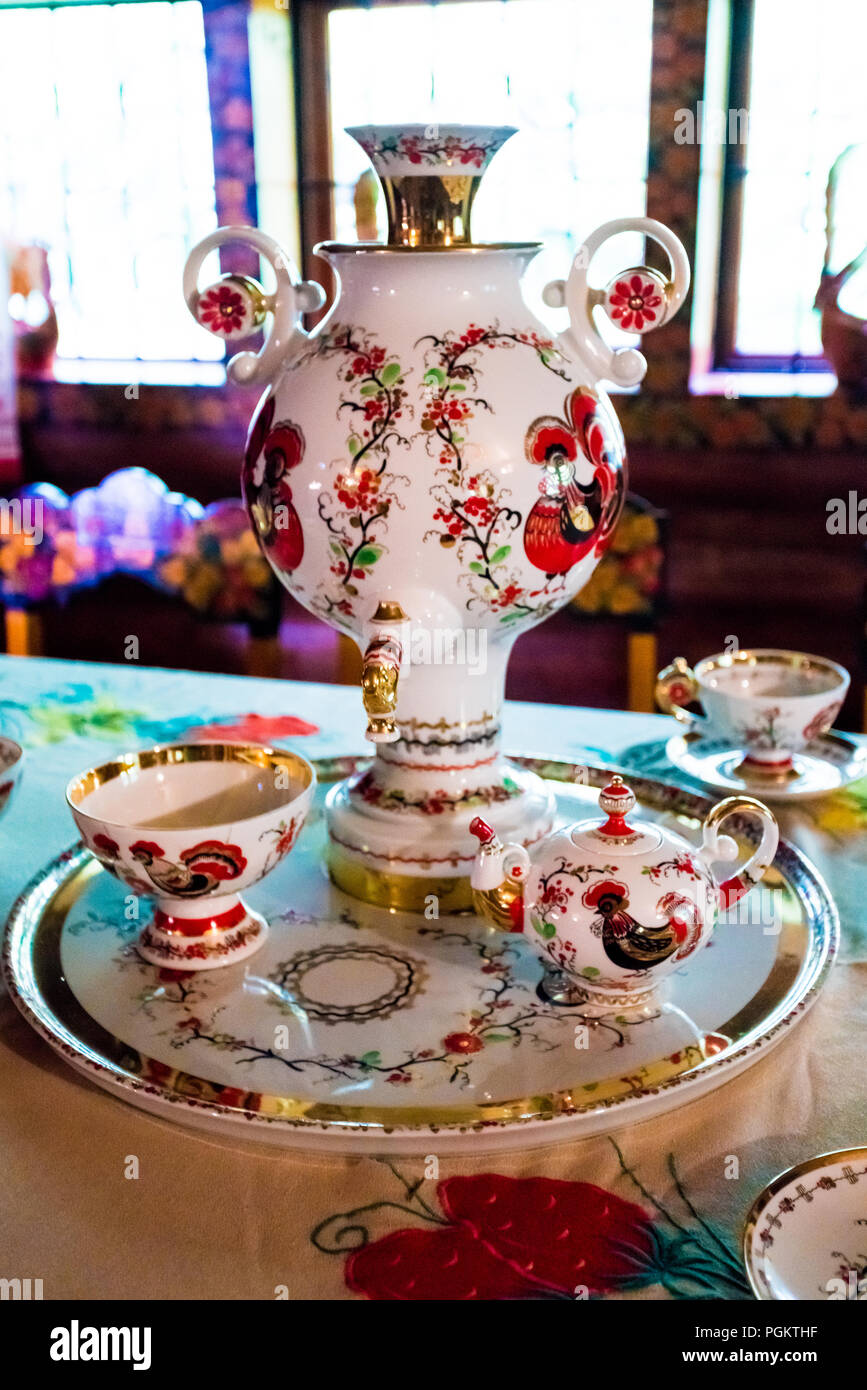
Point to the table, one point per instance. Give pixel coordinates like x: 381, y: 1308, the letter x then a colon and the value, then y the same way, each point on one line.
x: 205, y: 1218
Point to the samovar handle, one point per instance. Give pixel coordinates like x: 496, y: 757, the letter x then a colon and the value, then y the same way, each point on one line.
x: 638, y: 300
x: 236, y: 305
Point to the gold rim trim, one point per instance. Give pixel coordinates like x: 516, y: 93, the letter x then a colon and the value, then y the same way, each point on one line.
x: 397, y: 892
x: 378, y: 248
x: 772, y: 1189
x: 173, y: 754
x: 36, y: 979
x: 750, y: 657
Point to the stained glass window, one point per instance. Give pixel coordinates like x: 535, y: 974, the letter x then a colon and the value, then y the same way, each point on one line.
x: 106, y: 159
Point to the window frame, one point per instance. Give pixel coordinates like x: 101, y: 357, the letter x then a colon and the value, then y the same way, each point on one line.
x: 725, y: 356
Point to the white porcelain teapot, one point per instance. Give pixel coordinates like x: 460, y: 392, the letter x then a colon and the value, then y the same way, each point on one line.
x: 613, y: 906
x: 433, y: 471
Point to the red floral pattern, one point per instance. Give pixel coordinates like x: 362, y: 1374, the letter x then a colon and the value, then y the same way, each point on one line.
x: 822, y: 722
x: 223, y: 310
x: 635, y: 303
x: 253, y: 728
x: 510, y: 1238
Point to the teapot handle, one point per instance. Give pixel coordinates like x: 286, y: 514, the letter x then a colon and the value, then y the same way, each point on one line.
x: 639, y: 300
x: 715, y: 846
x: 236, y: 305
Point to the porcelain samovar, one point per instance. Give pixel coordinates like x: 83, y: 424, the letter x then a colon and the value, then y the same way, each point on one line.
x: 433, y: 472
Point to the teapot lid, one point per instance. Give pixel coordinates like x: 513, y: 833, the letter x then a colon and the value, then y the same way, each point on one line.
x: 617, y: 799
x: 430, y: 175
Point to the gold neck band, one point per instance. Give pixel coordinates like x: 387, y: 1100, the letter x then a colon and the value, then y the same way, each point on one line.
x: 430, y: 209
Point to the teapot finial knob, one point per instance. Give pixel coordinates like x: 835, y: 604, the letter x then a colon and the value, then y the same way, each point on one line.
x: 616, y: 800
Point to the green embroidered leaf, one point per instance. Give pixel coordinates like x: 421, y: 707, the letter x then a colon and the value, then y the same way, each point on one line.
x: 500, y: 555
x: 390, y: 373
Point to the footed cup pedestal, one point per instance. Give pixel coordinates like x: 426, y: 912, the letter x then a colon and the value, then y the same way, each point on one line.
x: 207, y: 935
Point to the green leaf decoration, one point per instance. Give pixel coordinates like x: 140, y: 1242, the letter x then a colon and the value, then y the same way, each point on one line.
x: 369, y: 388
x: 457, y: 386
x: 590, y: 972
x: 369, y: 555
x: 545, y: 929
x: 390, y: 373
x: 336, y: 549
x: 476, y: 567
x: 353, y: 444
x: 497, y: 1037
x: 500, y: 555
x: 434, y: 376
x: 371, y: 1059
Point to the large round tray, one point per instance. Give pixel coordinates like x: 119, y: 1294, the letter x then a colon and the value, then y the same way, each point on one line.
x: 359, y: 1030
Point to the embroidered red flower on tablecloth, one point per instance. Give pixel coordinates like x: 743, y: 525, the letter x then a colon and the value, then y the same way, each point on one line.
x: 510, y: 1238
x: 635, y: 303
x: 222, y: 309
x: 253, y: 728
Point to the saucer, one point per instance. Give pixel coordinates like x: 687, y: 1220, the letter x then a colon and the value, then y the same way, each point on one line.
x: 825, y: 765
x: 806, y: 1235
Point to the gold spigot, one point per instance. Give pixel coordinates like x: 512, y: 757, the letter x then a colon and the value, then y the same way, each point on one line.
x: 380, y: 673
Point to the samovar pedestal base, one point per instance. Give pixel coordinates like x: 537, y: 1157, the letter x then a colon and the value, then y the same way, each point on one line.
x: 421, y: 862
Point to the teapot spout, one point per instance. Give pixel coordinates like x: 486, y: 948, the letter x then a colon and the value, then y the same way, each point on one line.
x: 497, y: 879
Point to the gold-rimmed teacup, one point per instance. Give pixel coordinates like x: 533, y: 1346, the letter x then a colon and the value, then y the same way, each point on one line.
x: 769, y: 702
x: 192, y: 826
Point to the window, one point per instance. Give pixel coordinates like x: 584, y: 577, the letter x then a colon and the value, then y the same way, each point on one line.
x: 798, y: 73
x: 106, y: 158
x: 540, y: 65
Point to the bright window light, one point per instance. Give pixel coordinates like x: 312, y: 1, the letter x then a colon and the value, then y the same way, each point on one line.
x: 807, y: 104
x: 106, y: 159
x: 574, y: 78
